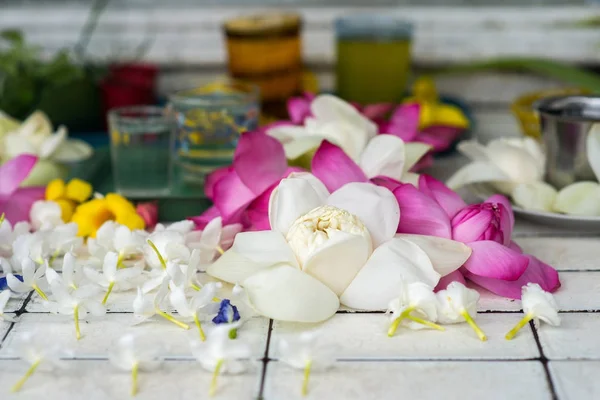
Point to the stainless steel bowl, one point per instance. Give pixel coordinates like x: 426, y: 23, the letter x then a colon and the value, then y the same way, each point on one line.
x: 565, y: 124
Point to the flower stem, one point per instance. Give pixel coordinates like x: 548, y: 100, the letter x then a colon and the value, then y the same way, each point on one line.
x: 213, y: 382
x: 17, y: 386
x: 524, y: 321
x: 200, y: 330
x: 307, y: 367
x: 160, y: 258
x: 172, y: 319
x: 1, y: 219
x: 426, y: 323
x: 76, y: 319
x: 40, y: 292
x: 134, y: 379
x: 120, y: 264
x: 473, y: 325
x: 108, y: 291
x: 220, y: 249
x: 53, y: 258
x: 233, y: 333
x: 195, y: 287
x: 396, y: 323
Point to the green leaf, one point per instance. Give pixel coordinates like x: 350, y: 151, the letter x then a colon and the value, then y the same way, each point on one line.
x: 12, y: 35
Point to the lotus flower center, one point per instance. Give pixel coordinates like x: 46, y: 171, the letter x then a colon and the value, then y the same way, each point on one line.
x: 316, y: 228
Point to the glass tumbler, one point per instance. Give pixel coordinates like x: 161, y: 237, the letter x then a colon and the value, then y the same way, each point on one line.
x: 140, y: 143
x: 373, y: 57
x: 209, y: 121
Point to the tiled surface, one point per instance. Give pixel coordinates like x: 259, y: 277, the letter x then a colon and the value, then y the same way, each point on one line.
x: 542, y: 362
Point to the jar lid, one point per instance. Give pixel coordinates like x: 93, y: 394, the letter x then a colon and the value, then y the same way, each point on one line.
x: 373, y: 26
x: 261, y: 25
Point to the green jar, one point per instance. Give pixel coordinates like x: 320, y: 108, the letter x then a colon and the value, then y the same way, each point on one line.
x: 373, y: 58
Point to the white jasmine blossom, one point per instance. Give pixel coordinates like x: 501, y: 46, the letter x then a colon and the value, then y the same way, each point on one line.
x: 164, y: 246
x: 457, y: 303
x: 537, y: 305
x: 4, y: 297
x: 33, y: 279
x: 200, y: 303
x: 45, y: 215
x: 32, y: 246
x: 415, y: 303
x: 8, y: 234
x: 145, y: 306
x: 113, y: 278
x: 119, y: 239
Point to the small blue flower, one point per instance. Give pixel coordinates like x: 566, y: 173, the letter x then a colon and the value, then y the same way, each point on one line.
x: 228, y: 313
x: 4, y: 284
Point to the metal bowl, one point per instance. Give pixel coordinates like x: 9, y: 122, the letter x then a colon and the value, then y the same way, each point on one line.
x: 565, y: 123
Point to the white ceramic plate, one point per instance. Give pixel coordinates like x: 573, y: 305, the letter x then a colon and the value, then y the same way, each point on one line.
x: 561, y: 221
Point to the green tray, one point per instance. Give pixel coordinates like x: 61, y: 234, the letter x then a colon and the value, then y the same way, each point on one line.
x: 185, y: 200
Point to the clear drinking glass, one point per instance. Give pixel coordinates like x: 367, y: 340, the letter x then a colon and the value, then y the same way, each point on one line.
x: 141, y: 140
x: 209, y: 121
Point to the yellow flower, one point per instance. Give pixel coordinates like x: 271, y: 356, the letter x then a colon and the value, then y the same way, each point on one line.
x: 433, y: 112
x: 68, y: 196
x: 91, y: 215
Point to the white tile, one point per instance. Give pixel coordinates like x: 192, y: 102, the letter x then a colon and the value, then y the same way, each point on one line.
x: 489, y: 301
x: 576, y: 380
x: 564, y: 253
x: 525, y: 228
x: 98, y: 380
x: 16, y: 302
x: 364, y: 336
x: 575, y: 338
x: 100, y: 334
x: 4, y: 327
x: 413, y: 380
x: 580, y: 291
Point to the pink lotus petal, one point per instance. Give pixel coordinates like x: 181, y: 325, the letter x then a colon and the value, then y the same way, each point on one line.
x: 493, y: 260
x: 515, y: 247
x: 483, y: 221
x: 447, y: 198
x: 420, y: 214
x: 298, y: 109
x: 202, y: 220
x: 228, y: 235
x: 232, y: 197
x: 425, y: 162
x: 213, y: 178
x: 16, y: 208
x: 454, y: 276
x: 334, y: 168
x: 259, y: 161
x: 149, y: 213
x: 257, y: 213
x: 292, y: 170
x: 377, y: 111
x: 404, y: 123
x: 500, y: 199
x: 440, y: 137
x: 386, y: 182
x: 13, y: 172
x: 536, y: 272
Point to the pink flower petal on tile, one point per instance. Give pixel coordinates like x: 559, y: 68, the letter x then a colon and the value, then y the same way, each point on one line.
x: 16, y: 208
x: 447, y: 198
x: 202, y: 220
x: 404, y: 122
x: 334, y: 168
x: 514, y: 246
x: 13, y: 172
x: 536, y: 272
x: 455, y: 276
x: 420, y: 214
x: 213, y: 178
x: 231, y: 198
x: 493, y: 260
x: 259, y: 161
x: 440, y: 137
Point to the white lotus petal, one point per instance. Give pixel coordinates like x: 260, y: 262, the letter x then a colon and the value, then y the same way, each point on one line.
x: 446, y: 255
x: 531, y: 146
x: 414, y: 151
x: 375, y: 206
x: 516, y: 162
x: 36, y: 124
x: 52, y: 143
x: 285, y: 293
x: 384, y: 155
x: 15, y: 144
x: 287, y: 133
x: 338, y: 261
x: 473, y: 150
x: 474, y: 172
x: 294, y: 197
x: 72, y: 150
x: 349, y: 137
x: 251, y: 252
x: 593, y: 149
x: 301, y: 146
x: 390, y: 265
x: 412, y: 178
x: 331, y: 108
x: 211, y: 235
x: 581, y: 198
x: 534, y: 196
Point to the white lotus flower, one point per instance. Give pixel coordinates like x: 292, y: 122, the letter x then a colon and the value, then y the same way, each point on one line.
x: 504, y: 162
x: 77, y: 302
x: 118, y: 238
x: 145, y: 306
x: 537, y: 305
x: 131, y: 355
x: 580, y: 198
x: 36, y: 348
x: 35, y: 137
x: 333, y: 120
x: 414, y: 307
x: 304, y: 352
x: 113, y: 278
x: 329, y: 248
x: 538, y: 196
x: 33, y: 279
x: 8, y: 235
x: 200, y: 303
x: 458, y: 303
x: 4, y: 297
x: 219, y: 354
x: 45, y: 215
